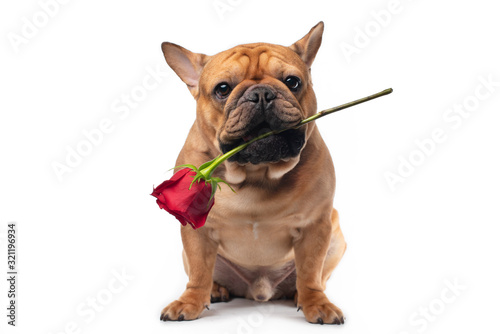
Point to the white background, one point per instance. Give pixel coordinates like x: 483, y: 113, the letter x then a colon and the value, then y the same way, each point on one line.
x: 439, y: 225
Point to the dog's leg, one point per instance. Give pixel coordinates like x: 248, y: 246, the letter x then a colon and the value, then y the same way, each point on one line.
x: 200, y: 254
x: 311, y: 250
x: 335, y: 251
x: 219, y: 293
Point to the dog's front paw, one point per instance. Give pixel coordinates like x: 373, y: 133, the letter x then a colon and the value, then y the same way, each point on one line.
x: 319, y: 310
x: 179, y: 310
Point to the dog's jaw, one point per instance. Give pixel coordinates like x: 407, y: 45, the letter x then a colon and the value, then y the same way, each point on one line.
x: 248, y: 173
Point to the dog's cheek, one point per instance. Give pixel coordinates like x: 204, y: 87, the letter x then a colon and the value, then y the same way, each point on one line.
x: 209, y: 117
x: 308, y: 101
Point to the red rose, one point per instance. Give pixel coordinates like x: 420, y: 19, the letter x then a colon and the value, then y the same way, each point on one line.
x: 188, y: 202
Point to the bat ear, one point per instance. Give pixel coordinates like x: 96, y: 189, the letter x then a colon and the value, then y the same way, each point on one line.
x: 186, y: 64
x: 308, y: 46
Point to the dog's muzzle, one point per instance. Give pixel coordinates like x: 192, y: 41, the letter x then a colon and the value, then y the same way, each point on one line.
x: 259, y: 110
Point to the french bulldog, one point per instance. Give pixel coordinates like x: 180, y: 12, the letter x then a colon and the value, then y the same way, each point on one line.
x: 279, y: 235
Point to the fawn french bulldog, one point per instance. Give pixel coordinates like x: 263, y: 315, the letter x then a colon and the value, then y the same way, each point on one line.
x: 279, y: 235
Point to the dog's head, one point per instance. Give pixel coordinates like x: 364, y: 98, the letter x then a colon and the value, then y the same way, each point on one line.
x: 249, y: 90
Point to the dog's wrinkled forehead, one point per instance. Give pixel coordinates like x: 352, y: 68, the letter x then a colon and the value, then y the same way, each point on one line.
x: 252, y: 62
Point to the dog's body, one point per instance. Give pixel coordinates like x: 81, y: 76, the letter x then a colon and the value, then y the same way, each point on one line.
x: 279, y: 235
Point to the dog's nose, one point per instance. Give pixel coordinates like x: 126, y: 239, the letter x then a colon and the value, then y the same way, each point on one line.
x: 261, y: 95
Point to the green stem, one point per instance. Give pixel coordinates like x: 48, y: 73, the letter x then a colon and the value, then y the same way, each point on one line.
x: 207, y: 172
x: 344, y: 106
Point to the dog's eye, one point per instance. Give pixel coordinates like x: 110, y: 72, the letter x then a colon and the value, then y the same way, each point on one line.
x: 293, y: 83
x: 222, y: 90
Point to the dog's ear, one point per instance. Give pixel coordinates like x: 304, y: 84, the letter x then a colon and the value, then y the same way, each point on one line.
x: 186, y: 64
x: 308, y: 46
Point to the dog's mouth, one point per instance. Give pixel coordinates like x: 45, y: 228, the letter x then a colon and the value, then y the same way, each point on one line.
x: 275, y: 148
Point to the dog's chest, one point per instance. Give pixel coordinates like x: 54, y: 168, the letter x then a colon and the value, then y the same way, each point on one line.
x: 250, y: 242
x: 253, y: 240
x: 256, y: 227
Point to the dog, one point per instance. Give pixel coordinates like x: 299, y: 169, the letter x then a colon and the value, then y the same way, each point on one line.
x: 279, y: 235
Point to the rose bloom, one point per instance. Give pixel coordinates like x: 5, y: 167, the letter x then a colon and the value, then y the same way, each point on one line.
x: 187, y: 205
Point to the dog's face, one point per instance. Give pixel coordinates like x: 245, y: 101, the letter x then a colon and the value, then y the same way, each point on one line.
x: 250, y: 90
x: 260, y: 90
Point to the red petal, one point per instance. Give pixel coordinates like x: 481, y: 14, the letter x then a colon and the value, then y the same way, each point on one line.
x: 187, y: 205
x: 200, y: 205
x: 174, y: 179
